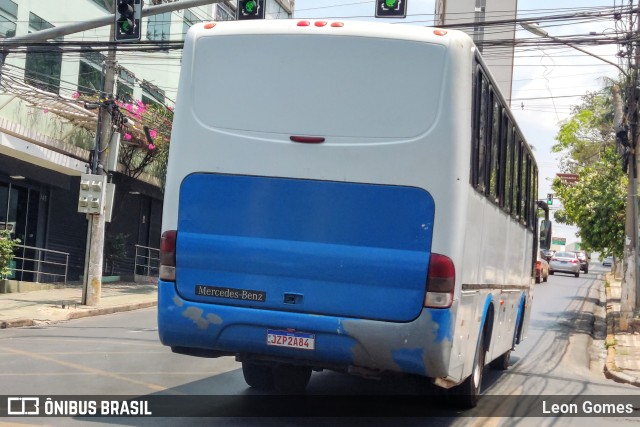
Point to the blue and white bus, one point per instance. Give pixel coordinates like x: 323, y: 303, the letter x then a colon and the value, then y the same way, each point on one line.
x: 348, y: 196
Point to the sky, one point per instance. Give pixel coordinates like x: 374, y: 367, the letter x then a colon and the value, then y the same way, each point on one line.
x: 556, y: 77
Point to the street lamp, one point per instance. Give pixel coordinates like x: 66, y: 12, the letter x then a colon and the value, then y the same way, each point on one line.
x: 534, y: 28
x: 630, y: 289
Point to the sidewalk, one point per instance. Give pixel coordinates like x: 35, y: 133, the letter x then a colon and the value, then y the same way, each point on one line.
x: 54, y: 305
x: 623, y: 348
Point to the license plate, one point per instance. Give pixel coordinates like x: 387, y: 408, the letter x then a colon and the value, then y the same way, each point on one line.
x: 301, y: 340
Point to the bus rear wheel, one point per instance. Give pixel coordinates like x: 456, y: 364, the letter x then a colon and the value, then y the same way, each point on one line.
x: 291, y: 379
x: 257, y: 376
x: 466, y: 395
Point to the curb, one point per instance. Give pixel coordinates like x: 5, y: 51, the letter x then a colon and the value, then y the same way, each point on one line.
x: 19, y: 323
x: 16, y: 323
x: 610, y: 368
x: 612, y: 373
x: 110, y: 310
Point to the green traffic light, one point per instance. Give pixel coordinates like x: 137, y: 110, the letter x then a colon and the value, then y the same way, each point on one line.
x: 250, y: 6
x: 391, y: 3
x: 125, y: 27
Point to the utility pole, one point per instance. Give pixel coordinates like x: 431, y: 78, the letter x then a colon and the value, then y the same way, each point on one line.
x: 92, y: 285
x: 629, y: 292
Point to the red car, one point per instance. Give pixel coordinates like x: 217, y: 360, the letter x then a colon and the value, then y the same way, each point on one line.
x: 542, y: 270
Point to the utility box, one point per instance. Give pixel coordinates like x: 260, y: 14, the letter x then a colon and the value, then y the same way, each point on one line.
x: 109, y: 196
x: 92, y: 194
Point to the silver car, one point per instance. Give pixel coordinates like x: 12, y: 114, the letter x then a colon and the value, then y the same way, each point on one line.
x: 565, y: 262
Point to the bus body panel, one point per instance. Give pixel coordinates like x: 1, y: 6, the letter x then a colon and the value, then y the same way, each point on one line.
x: 319, y: 247
x: 420, y: 347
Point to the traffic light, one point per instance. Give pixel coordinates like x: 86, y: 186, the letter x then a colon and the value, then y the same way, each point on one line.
x: 391, y: 8
x: 127, y: 20
x: 550, y: 199
x: 250, y: 9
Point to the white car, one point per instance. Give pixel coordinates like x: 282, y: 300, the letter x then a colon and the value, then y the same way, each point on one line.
x: 608, y: 261
x: 565, y: 262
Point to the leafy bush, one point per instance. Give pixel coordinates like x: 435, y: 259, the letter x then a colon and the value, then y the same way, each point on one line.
x: 7, y: 246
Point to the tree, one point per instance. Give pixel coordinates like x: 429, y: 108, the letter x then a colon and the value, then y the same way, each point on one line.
x: 588, y: 132
x: 596, y: 204
x: 137, y: 154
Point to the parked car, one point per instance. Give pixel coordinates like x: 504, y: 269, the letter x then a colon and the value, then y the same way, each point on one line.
x: 542, y: 270
x: 608, y: 261
x: 584, y: 261
x: 547, y: 254
x: 565, y: 262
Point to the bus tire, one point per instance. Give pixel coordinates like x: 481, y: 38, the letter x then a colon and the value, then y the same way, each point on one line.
x: 502, y: 362
x: 256, y: 376
x: 466, y: 394
x: 290, y: 379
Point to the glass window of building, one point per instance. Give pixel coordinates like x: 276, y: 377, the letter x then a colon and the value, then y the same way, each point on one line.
x: 90, y: 72
x: 8, y: 17
x: 126, y: 82
x: 159, y: 27
x: 42, y: 66
x: 188, y: 20
x: 224, y: 12
x: 104, y: 4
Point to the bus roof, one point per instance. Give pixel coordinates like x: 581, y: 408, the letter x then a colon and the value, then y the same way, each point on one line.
x: 328, y: 27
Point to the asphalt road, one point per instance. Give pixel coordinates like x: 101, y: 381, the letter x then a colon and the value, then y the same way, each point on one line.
x: 120, y: 354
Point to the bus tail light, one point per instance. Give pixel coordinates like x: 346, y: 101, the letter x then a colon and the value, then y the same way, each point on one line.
x: 168, y: 255
x: 440, y: 282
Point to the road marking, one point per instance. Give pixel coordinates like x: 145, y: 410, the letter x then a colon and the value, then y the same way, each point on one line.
x: 494, y: 421
x: 154, y: 387
x: 18, y: 425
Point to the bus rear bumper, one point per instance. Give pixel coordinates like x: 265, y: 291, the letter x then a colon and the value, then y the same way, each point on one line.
x: 420, y: 347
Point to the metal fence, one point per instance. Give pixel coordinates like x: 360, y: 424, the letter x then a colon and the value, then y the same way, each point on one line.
x: 34, y: 264
x: 147, y: 262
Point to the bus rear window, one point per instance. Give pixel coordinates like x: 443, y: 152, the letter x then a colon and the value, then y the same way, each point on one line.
x: 299, y: 85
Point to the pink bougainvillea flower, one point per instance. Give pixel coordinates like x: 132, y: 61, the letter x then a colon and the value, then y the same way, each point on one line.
x: 46, y: 110
x: 127, y: 136
x: 129, y: 108
x: 153, y: 133
x: 75, y: 95
x: 152, y: 147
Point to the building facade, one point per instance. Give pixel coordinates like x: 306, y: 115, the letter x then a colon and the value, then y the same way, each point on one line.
x: 501, y: 15
x: 46, y: 139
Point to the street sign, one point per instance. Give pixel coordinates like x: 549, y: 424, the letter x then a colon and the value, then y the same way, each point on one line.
x: 568, y: 178
x: 558, y: 241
